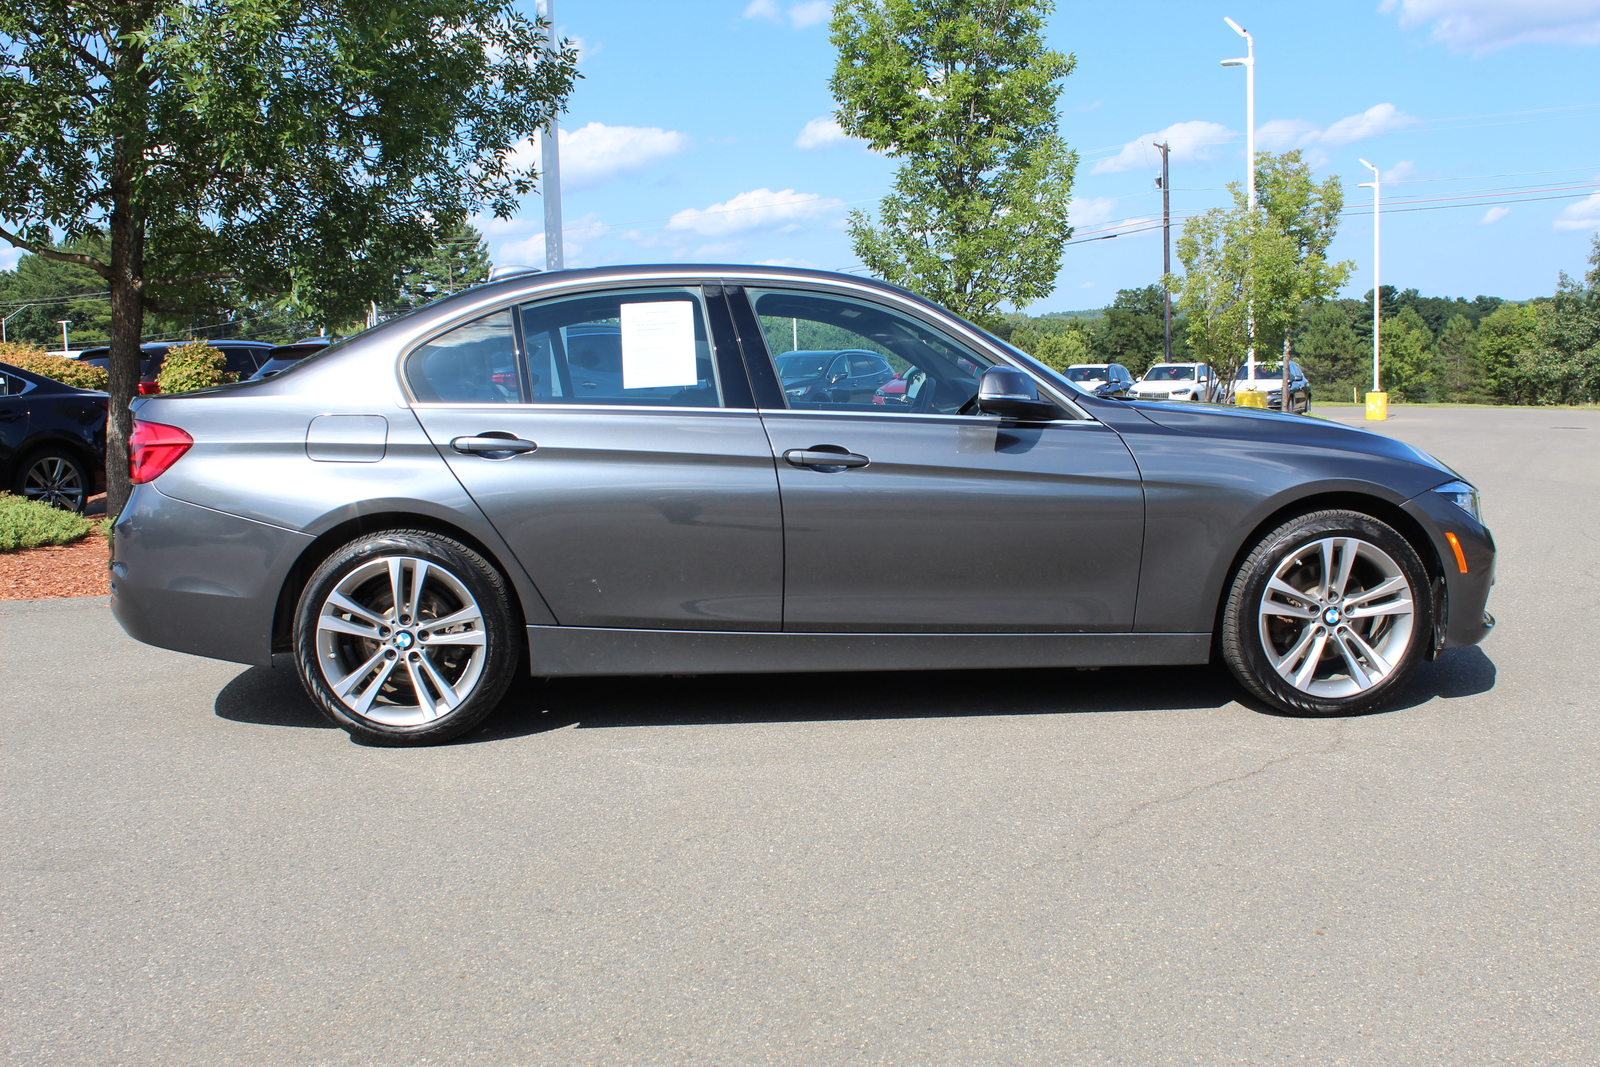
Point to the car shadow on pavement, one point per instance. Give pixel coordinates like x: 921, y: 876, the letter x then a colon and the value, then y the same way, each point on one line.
x: 273, y: 697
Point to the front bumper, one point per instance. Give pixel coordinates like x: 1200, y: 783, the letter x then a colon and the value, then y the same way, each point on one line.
x: 1466, y: 618
x: 196, y: 580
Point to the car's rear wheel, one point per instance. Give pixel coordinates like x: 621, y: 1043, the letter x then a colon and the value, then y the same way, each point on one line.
x: 56, y: 477
x: 405, y: 638
x: 1328, y: 615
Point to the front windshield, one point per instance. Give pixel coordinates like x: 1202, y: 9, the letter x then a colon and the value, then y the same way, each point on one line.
x: 1263, y: 370
x: 1169, y: 374
x: 1086, y: 374
x: 803, y: 364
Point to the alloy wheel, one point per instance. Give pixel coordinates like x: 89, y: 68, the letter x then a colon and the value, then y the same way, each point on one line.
x: 400, y: 641
x: 55, y: 480
x: 1337, y: 617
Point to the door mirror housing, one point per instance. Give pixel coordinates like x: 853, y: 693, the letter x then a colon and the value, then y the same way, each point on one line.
x: 1011, y: 394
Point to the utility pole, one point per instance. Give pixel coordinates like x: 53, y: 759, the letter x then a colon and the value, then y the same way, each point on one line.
x: 1377, y: 401
x: 1166, y: 252
x: 550, y: 150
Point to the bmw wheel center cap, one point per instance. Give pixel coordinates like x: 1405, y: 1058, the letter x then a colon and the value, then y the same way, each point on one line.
x: 402, y: 639
x: 1331, y: 616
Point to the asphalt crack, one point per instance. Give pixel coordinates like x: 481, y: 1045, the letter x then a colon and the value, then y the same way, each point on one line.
x: 1134, y: 812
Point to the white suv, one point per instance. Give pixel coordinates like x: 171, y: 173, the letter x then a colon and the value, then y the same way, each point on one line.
x: 1178, y: 381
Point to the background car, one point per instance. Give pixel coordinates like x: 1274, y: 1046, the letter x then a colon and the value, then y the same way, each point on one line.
x: 277, y: 360
x: 52, y: 439
x: 1101, y: 379
x: 419, y: 514
x: 833, y: 375
x: 1177, y: 381
x: 1268, y: 379
x: 244, y: 359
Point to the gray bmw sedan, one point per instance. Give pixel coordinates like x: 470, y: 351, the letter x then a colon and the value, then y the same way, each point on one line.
x: 602, y: 471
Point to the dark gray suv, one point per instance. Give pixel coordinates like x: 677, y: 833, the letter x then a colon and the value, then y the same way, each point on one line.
x: 476, y: 489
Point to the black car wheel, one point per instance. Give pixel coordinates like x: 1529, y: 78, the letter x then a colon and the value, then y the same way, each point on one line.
x: 56, y: 477
x: 405, y: 638
x: 1328, y: 615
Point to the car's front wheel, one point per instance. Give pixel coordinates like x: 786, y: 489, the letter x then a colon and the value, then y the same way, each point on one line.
x: 1328, y: 615
x: 405, y: 637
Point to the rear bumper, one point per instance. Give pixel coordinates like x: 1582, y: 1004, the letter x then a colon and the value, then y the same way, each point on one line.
x: 1467, y: 620
x: 196, y: 580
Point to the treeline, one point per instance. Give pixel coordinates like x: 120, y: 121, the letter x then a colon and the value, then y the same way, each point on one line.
x: 1434, y: 349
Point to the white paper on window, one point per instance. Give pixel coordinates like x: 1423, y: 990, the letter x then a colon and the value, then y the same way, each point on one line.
x: 658, y: 344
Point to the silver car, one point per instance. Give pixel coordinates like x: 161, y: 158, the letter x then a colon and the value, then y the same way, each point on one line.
x: 597, y: 472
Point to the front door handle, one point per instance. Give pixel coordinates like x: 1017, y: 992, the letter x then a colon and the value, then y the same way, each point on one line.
x: 492, y: 445
x: 826, y: 458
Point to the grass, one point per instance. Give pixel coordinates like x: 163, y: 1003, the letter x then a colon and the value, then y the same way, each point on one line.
x: 28, y: 524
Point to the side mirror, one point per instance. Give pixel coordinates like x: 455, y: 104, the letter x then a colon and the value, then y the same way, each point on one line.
x: 1009, y: 393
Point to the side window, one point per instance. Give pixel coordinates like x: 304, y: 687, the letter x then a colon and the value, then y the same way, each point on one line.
x: 638, y: 347
x: 895, y: 363
x: 471, y: 364
x: 241, y: 361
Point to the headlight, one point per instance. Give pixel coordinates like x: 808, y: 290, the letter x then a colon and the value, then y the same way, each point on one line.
x: 1182, y: 392
x: 1464, y: 497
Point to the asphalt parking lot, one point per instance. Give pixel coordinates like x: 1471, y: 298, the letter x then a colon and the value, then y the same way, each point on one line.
x: 1052, y: 867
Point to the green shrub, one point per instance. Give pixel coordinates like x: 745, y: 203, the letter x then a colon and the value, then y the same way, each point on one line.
x: 28, y: 524
x: 67, y: 371
x: 195, y: 365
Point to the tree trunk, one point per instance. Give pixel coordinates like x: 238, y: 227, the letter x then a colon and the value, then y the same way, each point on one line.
x: 127, y: 328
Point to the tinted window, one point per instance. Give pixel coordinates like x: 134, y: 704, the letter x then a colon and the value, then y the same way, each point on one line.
x: 471, y: 364
x: 874, y: 344
x: 631, y: 347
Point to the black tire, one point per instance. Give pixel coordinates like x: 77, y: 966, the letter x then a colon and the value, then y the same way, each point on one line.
x: 1349, y: 660
x: 56, y: 477
x: 386, y: 677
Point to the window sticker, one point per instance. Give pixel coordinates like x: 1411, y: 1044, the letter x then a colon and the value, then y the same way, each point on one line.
x: 658, y: 344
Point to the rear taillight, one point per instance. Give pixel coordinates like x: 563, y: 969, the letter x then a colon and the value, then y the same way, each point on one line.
x: 149, y: 388
x: 153, y: 448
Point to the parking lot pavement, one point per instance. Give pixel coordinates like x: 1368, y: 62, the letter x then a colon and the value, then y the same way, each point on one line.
x: 1050, y: 867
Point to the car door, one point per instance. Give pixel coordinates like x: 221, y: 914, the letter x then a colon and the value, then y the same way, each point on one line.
x: 932, y: 520
x: 13, y: 419
x: 636, y: 486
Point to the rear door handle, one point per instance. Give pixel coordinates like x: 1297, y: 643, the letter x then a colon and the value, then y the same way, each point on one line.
x: 823, y: 457
x: 486, y: 445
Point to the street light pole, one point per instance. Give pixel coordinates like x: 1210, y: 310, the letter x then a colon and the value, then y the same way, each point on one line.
x: 1166, y: 253
x: 1377, y: 295
x: 550, y: 152
x: 11, y: 316
x: 1249, y: 65
x: 64, y: 347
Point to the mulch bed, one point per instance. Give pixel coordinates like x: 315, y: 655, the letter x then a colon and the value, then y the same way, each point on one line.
x: 78, y: 569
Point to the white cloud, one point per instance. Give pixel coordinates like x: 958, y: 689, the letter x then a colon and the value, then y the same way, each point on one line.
x: 1403, y: 171
x: 596, y: 153
x: 1190, y: 141
x: 1584, y: 215
x: 786, y: 262
x: 1482, y: 26
x: 9, y: 255
x: 824, y: 132
x: 1494, y: 215
x: 576, y: 235
x: 758, y: 209
x: 809, y: 13
x: 1280, y: 135
x: 802, y: 15
x: 1090, y: 210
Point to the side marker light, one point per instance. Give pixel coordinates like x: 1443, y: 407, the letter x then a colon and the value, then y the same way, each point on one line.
x: 1455, y: 546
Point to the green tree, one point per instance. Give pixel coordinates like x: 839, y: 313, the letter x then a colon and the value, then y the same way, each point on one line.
x: 1133, y: 330
x: 303, y: 150
x: 1458, y: 374
x: 1571, y: 334
x: 1246, y: 274
x: 1508, y: 343
x: 1057, y: 347
x: 1333, y: 354
x: 966, y: 95
x: 1407, y: 356
x: 457, y: 260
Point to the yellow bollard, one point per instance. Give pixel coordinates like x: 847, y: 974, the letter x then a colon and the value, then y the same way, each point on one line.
x: 1377, y: 406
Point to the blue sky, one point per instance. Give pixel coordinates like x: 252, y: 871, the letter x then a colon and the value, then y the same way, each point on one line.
x: 688, y: 139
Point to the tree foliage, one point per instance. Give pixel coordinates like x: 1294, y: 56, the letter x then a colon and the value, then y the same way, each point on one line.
x: 302, y: 150
x: 58, y: 368
x: 1246, y: 274
x: 458, y: 259
x: 195, y: 365
x: 965, y: 94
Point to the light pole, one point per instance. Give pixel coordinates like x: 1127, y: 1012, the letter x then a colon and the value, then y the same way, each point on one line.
x: 1249, y: 65
x: 1377, y: 400
x: 64, y: 347
x: 11, y: 316
x: 1166, y: 253
x: 550, y: 152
